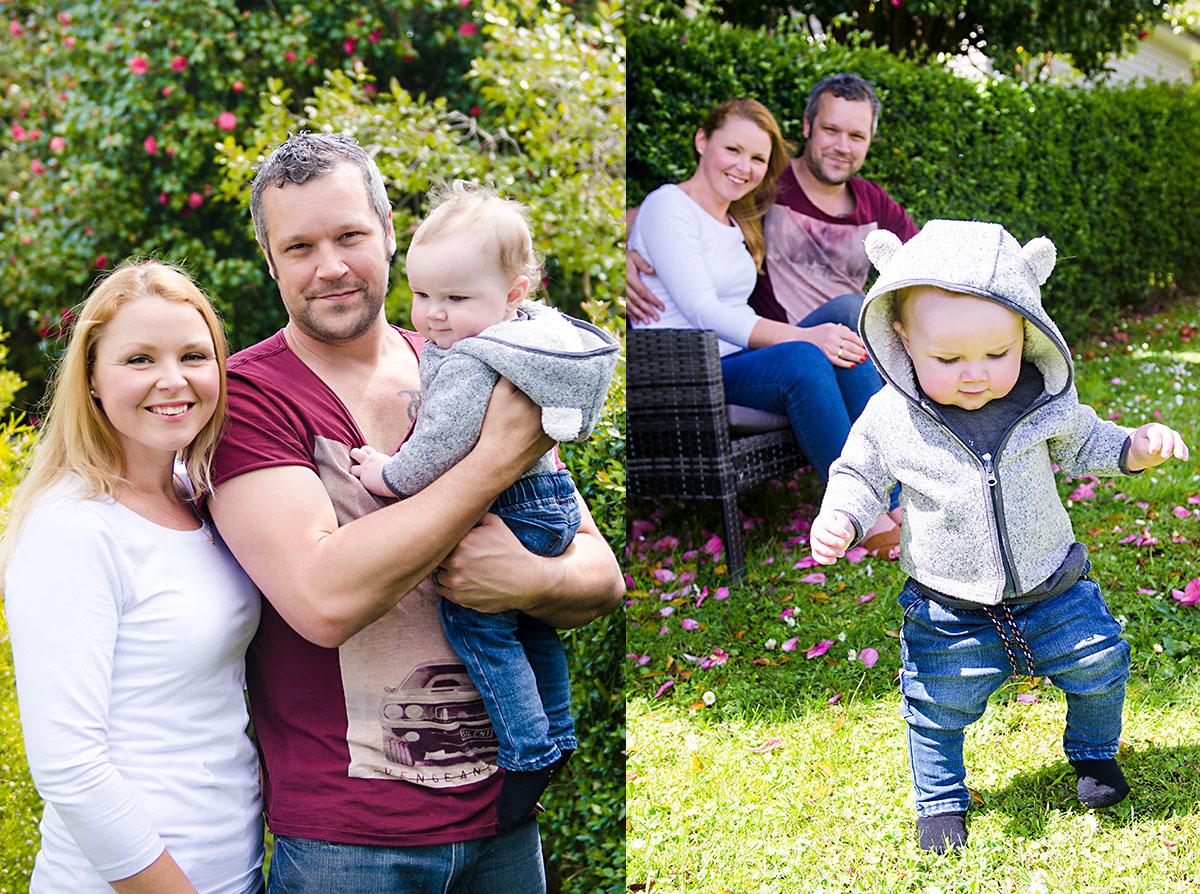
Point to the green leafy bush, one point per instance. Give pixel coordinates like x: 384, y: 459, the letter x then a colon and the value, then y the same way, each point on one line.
x: 111, y: 113
x: 1110, y: 175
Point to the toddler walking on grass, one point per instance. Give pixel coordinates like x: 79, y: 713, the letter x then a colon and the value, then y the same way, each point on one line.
x: 979, y: 405
x: 471, y: 266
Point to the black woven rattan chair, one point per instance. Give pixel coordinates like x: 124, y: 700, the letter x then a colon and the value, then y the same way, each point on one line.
x: 680, y: 441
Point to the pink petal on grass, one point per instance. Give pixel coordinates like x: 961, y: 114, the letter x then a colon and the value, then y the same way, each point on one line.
x: 1194, y: 499
x: 1144, y: 592
x: 806, y: 562
x: 689, y: 624
x: 1189, y: 595
x: 1027, y: 698
x: 663, y: 688
x: 819, y: 649
x: 662, y: 575
x: 865, y: 598
x: 722, y: 593
x: 1083, y: 492
x: 817, y: 578
x: 834, y: 699
x: 856, y: 555
x: 868, y: 656
x: 1180, y: 512
x: 790, y: 645
x: 769, y: 745
x: 714, y: 545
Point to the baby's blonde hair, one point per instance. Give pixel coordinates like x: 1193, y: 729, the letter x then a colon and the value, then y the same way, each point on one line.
x: 463, y: 207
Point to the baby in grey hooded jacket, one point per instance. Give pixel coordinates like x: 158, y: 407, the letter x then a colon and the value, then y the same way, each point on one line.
x: 471, y: 265
x: 979, y: 405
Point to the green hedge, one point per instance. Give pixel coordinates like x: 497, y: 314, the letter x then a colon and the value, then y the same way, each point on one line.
x: 1111, y: 175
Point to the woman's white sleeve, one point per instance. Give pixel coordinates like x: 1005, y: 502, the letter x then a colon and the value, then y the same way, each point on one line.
x: 681, y: 260
x: 63, y: 601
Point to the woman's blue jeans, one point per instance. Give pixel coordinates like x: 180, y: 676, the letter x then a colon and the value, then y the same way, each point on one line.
x: 952, y: 660
x: 796, y: 379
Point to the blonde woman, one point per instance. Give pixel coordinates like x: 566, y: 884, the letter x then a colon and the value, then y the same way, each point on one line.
x: 129, y: 618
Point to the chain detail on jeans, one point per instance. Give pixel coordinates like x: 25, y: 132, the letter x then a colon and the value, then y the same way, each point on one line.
x: 1010, y: 622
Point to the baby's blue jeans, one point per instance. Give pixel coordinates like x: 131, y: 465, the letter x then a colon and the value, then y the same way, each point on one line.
x: 516, y: 661
x: 953, y: 660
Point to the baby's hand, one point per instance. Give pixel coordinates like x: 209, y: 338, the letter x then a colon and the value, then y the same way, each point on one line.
x: 1152, y: 445
x: 367, y: 463
x: 831, y: 533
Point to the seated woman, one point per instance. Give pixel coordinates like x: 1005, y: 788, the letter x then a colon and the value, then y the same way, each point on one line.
x: 703, y: 238
x: 129, y: 619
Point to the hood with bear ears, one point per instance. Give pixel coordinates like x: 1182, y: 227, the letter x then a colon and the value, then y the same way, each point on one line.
x: 974, y: 258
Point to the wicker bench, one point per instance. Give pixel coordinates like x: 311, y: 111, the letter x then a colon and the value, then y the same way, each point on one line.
x: 680, y: 441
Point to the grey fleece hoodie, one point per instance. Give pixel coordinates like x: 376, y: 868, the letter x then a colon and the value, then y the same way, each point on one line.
x: 563, y: 364
x: 979, y: 528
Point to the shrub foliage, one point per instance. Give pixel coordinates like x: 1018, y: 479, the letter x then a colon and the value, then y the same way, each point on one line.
x: 1110, y: 175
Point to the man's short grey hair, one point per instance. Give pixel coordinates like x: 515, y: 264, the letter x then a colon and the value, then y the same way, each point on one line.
x: 843, y: 85
x: 305, y: 155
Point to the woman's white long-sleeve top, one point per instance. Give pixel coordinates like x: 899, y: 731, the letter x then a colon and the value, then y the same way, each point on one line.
x: 128, y: 645
x: 703, y: 272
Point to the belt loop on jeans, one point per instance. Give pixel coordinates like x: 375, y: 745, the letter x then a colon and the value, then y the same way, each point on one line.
x: 1010, y: 622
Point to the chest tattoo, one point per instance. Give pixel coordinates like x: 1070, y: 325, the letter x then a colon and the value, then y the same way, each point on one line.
x: 413, y: 398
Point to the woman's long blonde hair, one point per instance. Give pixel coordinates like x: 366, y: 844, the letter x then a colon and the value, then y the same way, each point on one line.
x: 749, y: 210
x: 75, y: 436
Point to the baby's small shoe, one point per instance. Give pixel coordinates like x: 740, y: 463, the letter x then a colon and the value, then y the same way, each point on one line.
x: 942, y: 832
x: 1100, y: 783
x: 519, y: 792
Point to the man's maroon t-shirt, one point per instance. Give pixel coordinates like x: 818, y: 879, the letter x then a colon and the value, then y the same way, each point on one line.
x: 384, y: 740
x: 813, y: 256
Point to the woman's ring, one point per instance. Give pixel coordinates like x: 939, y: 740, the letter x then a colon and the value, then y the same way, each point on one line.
x: 839, y: 354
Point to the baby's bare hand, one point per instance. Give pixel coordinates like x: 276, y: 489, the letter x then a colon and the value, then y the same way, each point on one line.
x: 1153, y: 444
x: 831, y: 533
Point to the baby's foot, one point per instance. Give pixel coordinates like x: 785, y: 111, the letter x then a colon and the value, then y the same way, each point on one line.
x: 519, y: 792
x: 1100, y: 783
x: 943, y: 832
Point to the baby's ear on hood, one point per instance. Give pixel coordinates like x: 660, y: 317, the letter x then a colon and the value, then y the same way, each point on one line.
x: 881, y: 245
x: 1040, y: 255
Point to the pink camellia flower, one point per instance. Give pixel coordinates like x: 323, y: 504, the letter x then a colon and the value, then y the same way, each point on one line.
x: 150, y: 144
x: 349, y: 45
x: 289, y: 56
x: 310, y: 61
x: 227, y: 121
x: 65, y: 18
x: 37, y: 167
x: 162, y: 198
x: 868, y: 656
x: 138, y: 65
x: 101, y: 261
x: 819, y: 649
x: 69, y: 42
x: 468, y: 29
x: 168, y: 90
x: 374, y: 36
x: 19, y: 133
x: 238, y: 86
x: 475, y: 111
x: 195, y: 200
x: 15, y: 29
x: 57, y: 144
x: 179, y: 64
x: 35, y: 134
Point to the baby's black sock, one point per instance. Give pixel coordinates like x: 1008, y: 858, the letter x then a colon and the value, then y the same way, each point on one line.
x: 520, y: 791
x: 1101, y: 783
x: 942, y: 832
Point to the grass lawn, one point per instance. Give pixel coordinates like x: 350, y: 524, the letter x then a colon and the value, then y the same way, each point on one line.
x: 766, y: 749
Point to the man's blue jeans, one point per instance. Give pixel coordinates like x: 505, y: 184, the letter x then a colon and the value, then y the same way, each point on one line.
x: 509, y: 861
x: 516, y: 661
x: 953, y: 660
x: 796, y: 379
